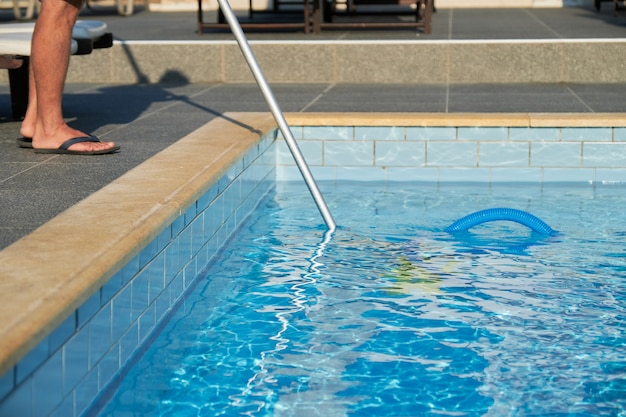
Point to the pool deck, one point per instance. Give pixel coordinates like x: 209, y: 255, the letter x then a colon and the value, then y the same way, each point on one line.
x: 145, y: 119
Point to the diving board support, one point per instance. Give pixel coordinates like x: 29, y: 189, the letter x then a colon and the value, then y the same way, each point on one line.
x: 235, y: 27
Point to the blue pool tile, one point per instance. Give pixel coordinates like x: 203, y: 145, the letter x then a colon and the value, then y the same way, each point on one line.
x: 162, y: 304
x: 108, y: 366
x: 163, y: 238
x: 458, y: 154
x: 349, y: 153
x: 249, y: 157
x: 503, y: 154
x: 311, y: 150
x: 205, y: 200
x: 184, y: 244
x: 110, y: 288
x: 20, y: 402
x: 400, y: 153
x: 483, y: 133
x: 32, y: 361
x: 176, y: 288
x: 88, y: 309
x: 129, y: 343
x: 46, y: 383
x: 86, y: 391
x: 604, y: 155
x: 535, y: 134
x: 121, y: 308
x: 172, y: 261
x: 296, y: 132
x: 464, y: 174
x: 140, y: 290
x: 516, y: 175
x: 283, y: 154
x: 66, y: 408
x: 395, y: 133
x: 99, y: 335
x: 411, y: 174
x: 291, y: 173
x: 149, y: 252
x: 190, y: 214
x: 231, y: 226
x: 156, y: 271
x: 147, y: 322
x: 177, y: 225
x: 236, y: 169
x: 586, y: 134
x: 7, y: 382
x: 328, y: 132
x: 619, y: 134
x: 129, y: 270
x: 62, y: 333
x: 360, y: 174
x: 198, y: 236
x: 249, y: 179
x: 202, y: 257
x: 581, y: 175
x: 430, y: 133
x: 555, y: 154
x: 222, y: 184
x: 140, y: 294
x: 231, y: 197
x: 76, y: 366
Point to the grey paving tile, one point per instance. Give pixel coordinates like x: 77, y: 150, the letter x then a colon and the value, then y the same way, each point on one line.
x: 601, y: 98
x: 382, y: 97
x: 513, y: 98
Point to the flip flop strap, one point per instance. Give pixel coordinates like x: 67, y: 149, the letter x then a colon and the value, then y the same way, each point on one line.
x: 81, y: 139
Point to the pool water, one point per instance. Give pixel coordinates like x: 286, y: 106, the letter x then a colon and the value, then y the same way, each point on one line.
x: 391, y: 316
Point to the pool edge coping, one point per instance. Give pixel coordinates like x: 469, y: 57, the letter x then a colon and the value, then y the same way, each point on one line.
x: 38, y: 291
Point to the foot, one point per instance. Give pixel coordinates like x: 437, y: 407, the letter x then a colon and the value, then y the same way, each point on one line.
x: 62, y: 136
x: 66, y: 146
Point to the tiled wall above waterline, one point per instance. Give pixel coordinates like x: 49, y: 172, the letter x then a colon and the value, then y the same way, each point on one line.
x: 459, y: 153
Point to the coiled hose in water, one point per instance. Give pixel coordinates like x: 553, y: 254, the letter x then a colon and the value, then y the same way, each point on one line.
x: 502, y: 213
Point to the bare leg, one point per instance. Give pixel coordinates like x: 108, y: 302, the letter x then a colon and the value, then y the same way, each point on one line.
x: 27, y: 129
x: 50, y: 55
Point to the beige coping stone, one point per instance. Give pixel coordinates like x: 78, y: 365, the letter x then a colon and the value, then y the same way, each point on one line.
x: 49, y: 273
x: 409, y: 119
x: 459, y: 119
x: 578, y: 120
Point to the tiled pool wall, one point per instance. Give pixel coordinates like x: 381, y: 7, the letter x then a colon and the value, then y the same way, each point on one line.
x: 481, y: 154
x: 64, y: 373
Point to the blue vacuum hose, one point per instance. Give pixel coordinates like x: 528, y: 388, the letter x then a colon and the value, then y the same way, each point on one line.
x: 494, y: 214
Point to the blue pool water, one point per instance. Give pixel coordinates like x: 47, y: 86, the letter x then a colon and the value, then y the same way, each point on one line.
x: 391, y: 316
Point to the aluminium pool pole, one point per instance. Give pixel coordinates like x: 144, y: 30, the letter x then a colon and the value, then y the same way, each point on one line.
x: 235, y: 27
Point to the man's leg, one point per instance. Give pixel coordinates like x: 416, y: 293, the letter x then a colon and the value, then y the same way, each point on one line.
x: 27, y: 130
x: 50, y: 55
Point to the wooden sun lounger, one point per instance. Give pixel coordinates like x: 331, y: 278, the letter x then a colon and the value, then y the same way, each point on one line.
x: 300, y: 11
x: 421, y: 10
x: 314, y: 15
x: 15, y: 41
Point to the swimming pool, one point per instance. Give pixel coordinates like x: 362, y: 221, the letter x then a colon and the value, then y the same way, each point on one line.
x: 73, y: 322
x: 391, y: 316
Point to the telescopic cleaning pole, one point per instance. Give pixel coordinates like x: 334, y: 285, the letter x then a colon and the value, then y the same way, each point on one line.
x: 235, y: 27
